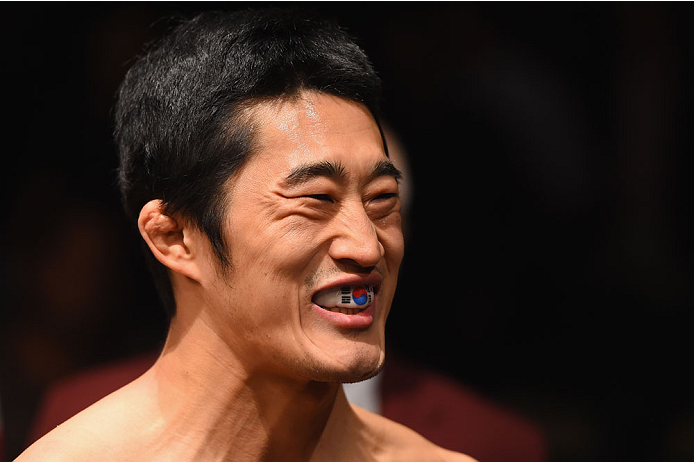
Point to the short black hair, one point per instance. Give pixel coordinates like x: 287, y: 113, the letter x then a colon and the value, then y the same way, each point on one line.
x: 178, y: 119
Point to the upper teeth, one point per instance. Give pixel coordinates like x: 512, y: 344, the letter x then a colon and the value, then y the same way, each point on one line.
x: 345, y: 297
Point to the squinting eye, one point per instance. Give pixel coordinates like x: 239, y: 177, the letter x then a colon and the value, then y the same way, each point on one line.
x: 387, y: 196
x: 320, y: 197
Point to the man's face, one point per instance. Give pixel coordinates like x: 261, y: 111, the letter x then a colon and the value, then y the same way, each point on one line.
x: 315, y: 207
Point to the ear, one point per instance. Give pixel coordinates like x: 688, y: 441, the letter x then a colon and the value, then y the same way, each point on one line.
x: 172, y: 243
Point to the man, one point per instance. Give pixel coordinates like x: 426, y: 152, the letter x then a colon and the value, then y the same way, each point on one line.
x: 254, y: 165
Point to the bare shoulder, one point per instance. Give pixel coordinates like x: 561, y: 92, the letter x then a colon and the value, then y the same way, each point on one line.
x: 92, y: 434
x: 453, y: 456
x: 403, y: 444
x: 68, y: 442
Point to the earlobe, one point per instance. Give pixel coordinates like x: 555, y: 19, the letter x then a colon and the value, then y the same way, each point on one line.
x: 168, y: 239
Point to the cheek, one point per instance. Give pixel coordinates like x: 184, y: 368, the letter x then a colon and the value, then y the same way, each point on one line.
x: 276, y: 251
x: 391, y: 237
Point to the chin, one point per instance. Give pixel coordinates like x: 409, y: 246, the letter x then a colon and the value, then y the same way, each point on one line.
x: 351, y: 366
x: 353, y: 378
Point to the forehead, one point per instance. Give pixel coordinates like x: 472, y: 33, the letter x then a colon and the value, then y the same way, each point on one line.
x: 314, y: 127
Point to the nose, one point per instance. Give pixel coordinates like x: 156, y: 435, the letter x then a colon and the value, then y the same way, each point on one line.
x: 356, y: 239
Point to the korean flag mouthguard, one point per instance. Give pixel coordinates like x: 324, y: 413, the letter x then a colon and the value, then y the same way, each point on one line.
x: 345, y: 297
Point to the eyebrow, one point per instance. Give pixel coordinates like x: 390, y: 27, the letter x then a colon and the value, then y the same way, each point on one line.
x: 386, y: 168
x: 305, y: 173
x: 336, y: 171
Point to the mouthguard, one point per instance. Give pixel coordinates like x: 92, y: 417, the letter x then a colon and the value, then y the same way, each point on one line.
x: 345, y: 297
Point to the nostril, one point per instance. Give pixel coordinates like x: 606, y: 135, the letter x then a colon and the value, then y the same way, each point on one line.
x: 352, y: 266
x: 361, y: 252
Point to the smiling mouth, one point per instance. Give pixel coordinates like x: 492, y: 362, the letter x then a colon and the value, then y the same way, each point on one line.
x: 345, y: 299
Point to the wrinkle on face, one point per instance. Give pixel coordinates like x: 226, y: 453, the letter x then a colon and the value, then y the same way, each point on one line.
x: 280, y: 234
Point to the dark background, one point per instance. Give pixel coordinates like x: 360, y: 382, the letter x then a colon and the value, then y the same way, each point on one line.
x: 548, y: 267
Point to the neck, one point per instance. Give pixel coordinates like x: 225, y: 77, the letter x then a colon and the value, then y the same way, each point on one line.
x: 211, y: 407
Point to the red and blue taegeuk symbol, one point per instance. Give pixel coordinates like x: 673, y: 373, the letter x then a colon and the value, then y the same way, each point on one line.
x: 359, y: 295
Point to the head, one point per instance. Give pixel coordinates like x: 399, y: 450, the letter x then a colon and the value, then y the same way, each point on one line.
x: 180, y: 124
x: 211, y: 125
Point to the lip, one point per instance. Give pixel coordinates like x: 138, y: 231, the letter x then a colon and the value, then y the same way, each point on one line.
x: 361, y: 320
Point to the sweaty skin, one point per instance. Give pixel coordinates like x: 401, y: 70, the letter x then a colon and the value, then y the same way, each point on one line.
x: 251, y: 366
